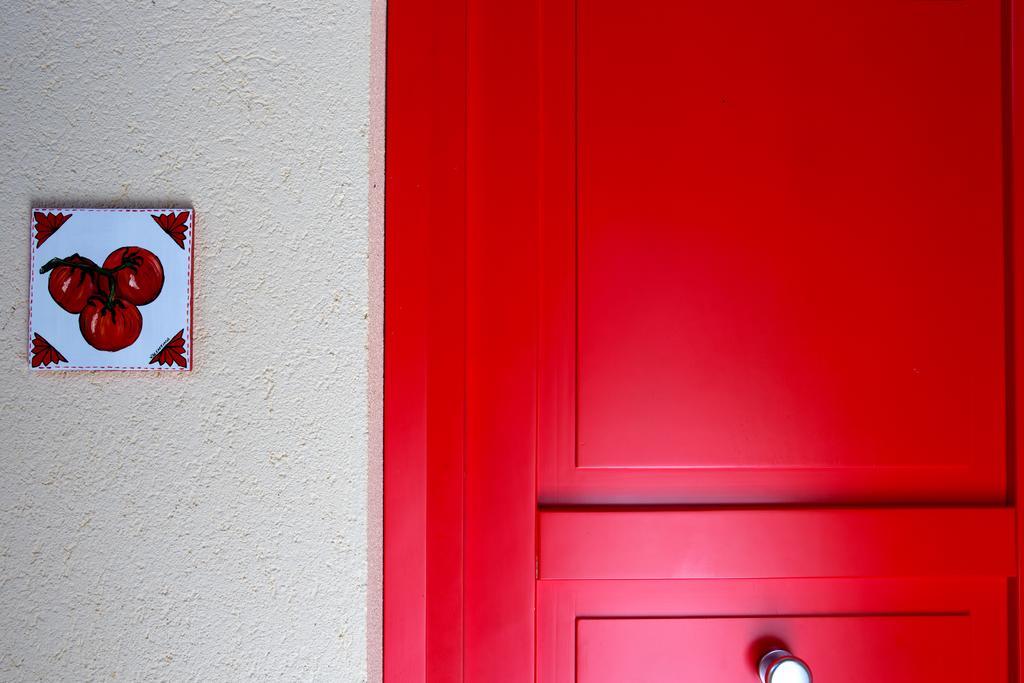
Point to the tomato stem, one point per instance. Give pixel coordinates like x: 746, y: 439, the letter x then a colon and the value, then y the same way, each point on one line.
x: 55, y: 262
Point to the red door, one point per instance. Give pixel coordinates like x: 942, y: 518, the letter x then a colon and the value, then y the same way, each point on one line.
x: 703, y: 340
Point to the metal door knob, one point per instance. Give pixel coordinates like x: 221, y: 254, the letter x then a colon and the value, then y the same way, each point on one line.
x: 780, y: 666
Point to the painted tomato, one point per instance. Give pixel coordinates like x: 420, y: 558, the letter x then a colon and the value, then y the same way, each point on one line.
x: 71, y: 287
x: 110, y: 324
x: 138, y: 276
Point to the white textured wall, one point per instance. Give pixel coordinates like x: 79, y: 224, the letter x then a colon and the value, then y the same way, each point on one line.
x: 212, y: 526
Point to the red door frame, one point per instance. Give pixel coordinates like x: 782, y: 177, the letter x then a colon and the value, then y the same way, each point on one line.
x: 460, y: 343
x: 424, y: 341
x: 1013, y: 130
x: 464, y: 112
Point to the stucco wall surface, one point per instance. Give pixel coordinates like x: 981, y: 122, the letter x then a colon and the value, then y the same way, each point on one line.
x: 210, y: 526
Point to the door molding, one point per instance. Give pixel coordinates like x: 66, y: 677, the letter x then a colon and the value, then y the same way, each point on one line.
x: 424, y: 350
x: 462, y: 208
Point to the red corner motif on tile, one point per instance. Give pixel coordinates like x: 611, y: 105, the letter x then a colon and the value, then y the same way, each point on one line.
x: 174, y: 225
x: 44, y: 354
x: 47, y: 224
x: 172, y: 352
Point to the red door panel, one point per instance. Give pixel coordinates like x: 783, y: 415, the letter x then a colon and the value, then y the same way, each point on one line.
x: 785, y: 254
x: 909, y: 630
x: 881, y: 649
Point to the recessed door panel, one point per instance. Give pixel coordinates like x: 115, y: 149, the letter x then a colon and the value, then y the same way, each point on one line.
x: 786, y: 253
x: 885, y: 630
x: 881, y: 649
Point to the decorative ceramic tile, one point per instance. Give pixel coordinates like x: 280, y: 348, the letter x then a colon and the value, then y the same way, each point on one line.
x: 110, y: 289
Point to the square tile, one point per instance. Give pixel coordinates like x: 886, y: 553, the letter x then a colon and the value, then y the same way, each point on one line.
x: 110, y: 289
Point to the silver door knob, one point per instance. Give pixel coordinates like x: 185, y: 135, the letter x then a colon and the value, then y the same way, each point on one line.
x: 780, y: 666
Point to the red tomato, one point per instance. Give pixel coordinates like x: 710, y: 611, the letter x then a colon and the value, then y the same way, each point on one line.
x: 141, y: 276
x: 71, y: 287
x: 110, y: 325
